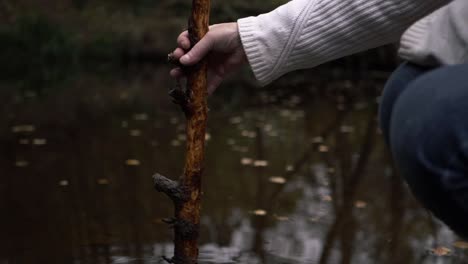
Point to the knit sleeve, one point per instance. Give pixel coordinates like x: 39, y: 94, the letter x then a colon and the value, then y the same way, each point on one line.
x: 306, y: 33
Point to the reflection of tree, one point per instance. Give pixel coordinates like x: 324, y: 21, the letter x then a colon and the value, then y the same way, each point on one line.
x: 268, y: 199
x: 343, y: 217
x: 260, y: 223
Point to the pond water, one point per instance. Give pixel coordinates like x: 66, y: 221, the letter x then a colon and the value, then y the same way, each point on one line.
x: 296, y: 175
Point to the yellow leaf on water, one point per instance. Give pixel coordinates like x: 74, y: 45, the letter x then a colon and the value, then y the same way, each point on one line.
x: 282, y: 218
x: 103, y: 181
x: 23, y: 128
x: 441, y: 251
x: 63, y: 183
x: 346, y: 129
x: 135, y: 132
x: 24, y: 141
x: 260, y: 163
x: 461, y: 244
x: 236, y: 120
x: 278, y: 180
x: 323, y: 148
x: 140, y: 117
x: 132, y: 162
x: 181, y: 137
x: 317, y: 140
x: 21, y: 163
x: 360, y: 204
x: 246, y: 161
x: 39, y: 141
x: 260, y: 212
x: 252, y: 134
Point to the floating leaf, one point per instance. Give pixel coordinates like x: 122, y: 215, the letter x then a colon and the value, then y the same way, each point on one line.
x: 278, y: 180
x: 317, y: 140
x: 140, y: 117
x: 235, y: 120
x: 282, y: 218
x: 246, y: 161
x: 39, y: 141
x: 314, y: 219
x: 132, y: 162
x: 260, y: 163
x: 174, y: 120
x: 441, y: 251
x: 360, y: 204
x: 63, y: 183
x: 323, y: 149
x: 135, y: 132
x: 285, y: 113
x: 260, y: 212
x: 268, y: 127
x: 273, y: 134
x: 461, y: 244
x: 23, y: 128
x: 346, y: 129
x: 103, y: 181
x: 21, y: 163
x: 24, y: 141
x: 182, y: 137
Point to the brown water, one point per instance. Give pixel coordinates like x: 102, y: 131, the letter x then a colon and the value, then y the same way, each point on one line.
x: 290, y: 178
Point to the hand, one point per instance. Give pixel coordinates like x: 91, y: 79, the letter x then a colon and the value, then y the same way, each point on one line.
x: 223, y: 48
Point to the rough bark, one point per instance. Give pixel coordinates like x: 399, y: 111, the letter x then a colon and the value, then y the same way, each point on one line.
x: 186, y: 193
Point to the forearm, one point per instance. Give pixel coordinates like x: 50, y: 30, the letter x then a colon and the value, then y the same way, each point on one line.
x: 306, y: 33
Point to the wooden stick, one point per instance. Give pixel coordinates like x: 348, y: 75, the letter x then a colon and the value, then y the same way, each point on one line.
x: 186, y: 193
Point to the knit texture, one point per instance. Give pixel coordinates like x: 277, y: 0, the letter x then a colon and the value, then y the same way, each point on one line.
x: 306, y: 33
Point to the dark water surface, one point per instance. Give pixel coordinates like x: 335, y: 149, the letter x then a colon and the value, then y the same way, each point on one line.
x: 290, y: 178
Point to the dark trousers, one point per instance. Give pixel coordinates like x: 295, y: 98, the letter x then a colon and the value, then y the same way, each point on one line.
x: 424, y: 118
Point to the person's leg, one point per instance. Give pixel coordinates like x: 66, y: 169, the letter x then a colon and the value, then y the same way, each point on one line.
x: 395, y: 85
x: 428, y: 136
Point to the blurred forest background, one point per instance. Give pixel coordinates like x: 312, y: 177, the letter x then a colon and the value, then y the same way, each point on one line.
x: 60, y: 37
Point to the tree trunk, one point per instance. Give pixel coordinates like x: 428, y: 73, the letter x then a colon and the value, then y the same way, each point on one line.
x: 186, y: 193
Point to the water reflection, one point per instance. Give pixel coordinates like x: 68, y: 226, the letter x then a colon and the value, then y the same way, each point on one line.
x: 290, y: 178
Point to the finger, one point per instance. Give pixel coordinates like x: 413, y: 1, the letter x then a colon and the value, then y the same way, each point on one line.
x: 198, y: 52
x: 183, y: 40
x: 177, y: 53
x: 176, y: 73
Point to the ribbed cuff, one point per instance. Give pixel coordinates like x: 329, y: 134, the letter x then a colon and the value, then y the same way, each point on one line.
x: 248, y: 28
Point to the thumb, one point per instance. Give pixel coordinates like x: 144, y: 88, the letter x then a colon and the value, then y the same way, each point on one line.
x: 198, y: 52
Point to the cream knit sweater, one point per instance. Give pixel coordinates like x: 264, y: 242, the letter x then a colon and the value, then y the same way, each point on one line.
x: 306, y: 33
